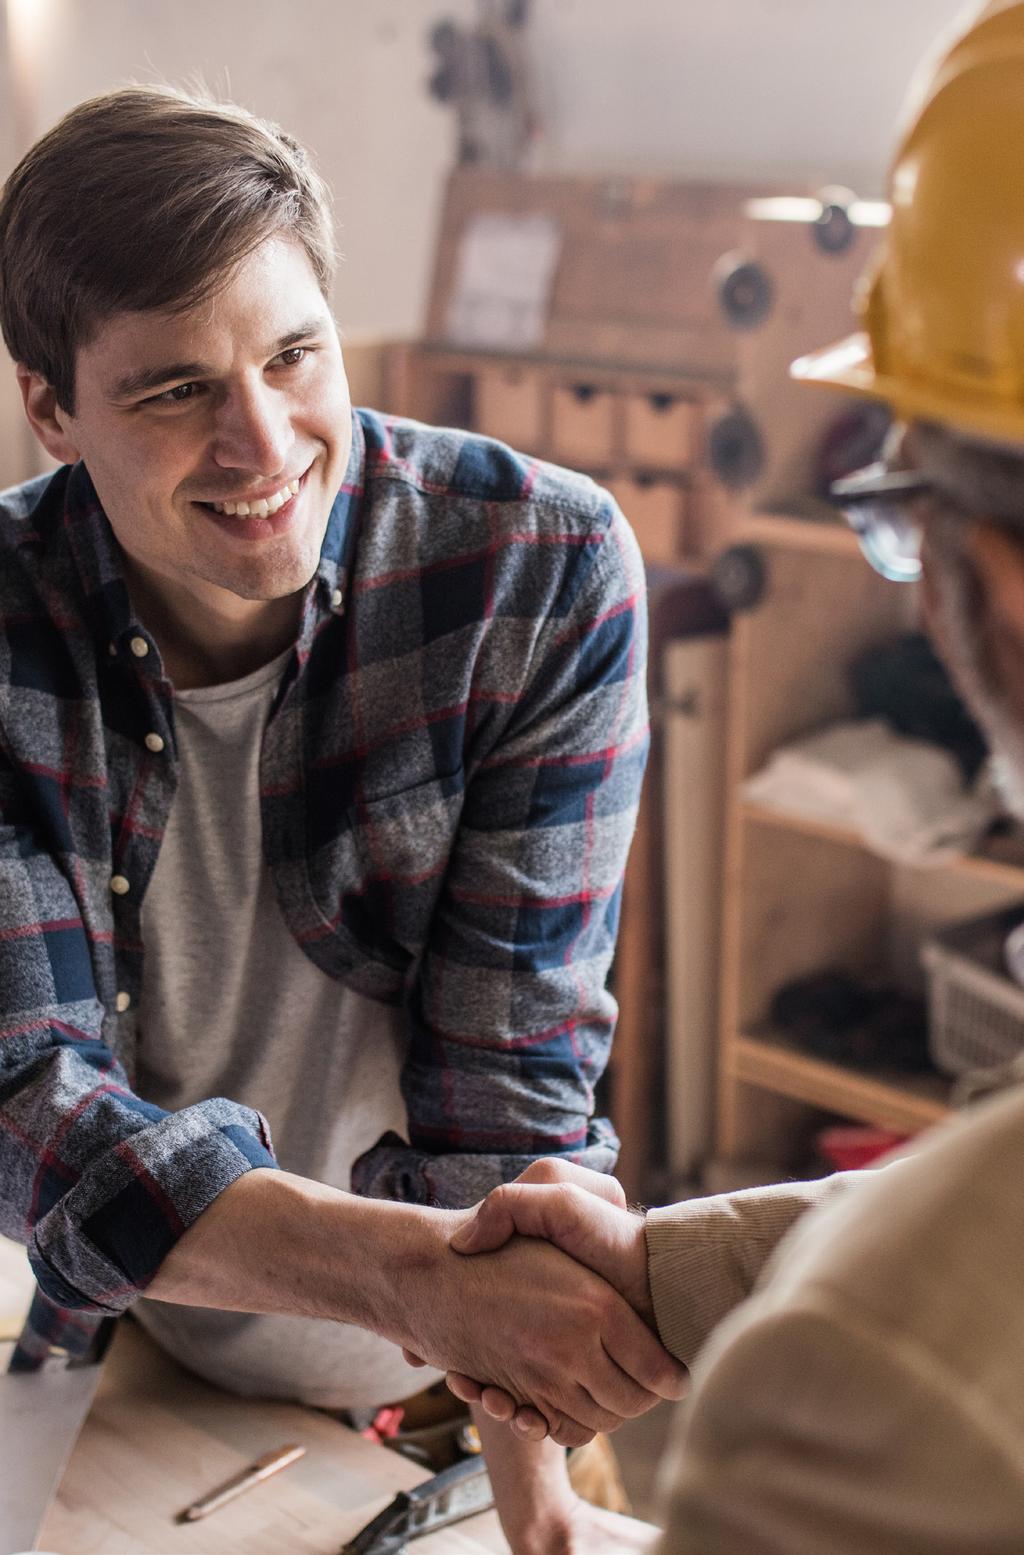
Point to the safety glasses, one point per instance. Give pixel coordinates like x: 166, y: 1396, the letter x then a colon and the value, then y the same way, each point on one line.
x: 881, y: 505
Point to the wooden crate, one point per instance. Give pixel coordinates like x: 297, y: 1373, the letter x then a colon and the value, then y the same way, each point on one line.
x: 656, y: 510
x: 584, y: 425
x: 511, y: 403
x: 661, y: 431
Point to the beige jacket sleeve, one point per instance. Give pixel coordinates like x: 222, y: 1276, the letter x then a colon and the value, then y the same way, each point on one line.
x: 869, y: 1396
x: 704, y: 1256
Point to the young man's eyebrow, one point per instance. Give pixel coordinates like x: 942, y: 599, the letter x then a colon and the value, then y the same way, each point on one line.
x: 145, y: 379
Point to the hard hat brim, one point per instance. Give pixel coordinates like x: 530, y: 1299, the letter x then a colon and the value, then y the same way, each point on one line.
x: 849, y: 365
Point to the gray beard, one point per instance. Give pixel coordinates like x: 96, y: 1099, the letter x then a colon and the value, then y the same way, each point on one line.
x: 956, y: 592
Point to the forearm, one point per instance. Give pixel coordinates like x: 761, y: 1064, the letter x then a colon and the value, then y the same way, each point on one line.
x: 275, y: 1242
x: 544, y: 1329
x: 531, y: 1487
x: 706, y: 1255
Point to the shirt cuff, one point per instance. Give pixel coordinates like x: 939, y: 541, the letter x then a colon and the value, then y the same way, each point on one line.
x: 102, y: 1243
x: 392, y: 1169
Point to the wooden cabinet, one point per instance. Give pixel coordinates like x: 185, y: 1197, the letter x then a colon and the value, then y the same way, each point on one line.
x: 639, y: 432
x: 801, y: 896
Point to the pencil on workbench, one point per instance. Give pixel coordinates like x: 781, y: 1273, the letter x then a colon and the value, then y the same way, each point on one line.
x: 270, y: 1463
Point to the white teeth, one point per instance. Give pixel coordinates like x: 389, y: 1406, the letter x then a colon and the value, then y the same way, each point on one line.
x: 265, y: 508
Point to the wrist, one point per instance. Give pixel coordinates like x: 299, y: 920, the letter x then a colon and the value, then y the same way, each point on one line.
x: 274, y: 1242
x: 532, y: 1494
x: 404, y: 1264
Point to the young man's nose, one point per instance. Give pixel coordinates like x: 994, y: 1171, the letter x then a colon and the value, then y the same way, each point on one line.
x: 252, y: 432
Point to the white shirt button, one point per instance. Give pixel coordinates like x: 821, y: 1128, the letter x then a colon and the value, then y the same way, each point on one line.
x: 140, y: 647
x: 123, y: 1002
x: 154, y: 743
x: 336, y: 598
x: 119, y: 885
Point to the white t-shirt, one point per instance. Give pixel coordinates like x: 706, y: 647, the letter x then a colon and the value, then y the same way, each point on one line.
x: 232, y: 1007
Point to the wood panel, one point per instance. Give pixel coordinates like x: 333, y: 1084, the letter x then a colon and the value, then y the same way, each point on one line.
x: 791, y: 653
x: 634, y: 277
x: 901, y: 1103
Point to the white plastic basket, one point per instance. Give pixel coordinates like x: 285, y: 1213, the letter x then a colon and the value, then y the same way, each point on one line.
x: 975, y: 1009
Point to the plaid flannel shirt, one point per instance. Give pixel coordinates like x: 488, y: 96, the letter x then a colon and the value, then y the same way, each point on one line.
x: 449, y: 779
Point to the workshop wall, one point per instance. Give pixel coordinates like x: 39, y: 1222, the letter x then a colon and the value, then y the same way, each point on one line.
x: 792, y: 89
x: 795, y: 91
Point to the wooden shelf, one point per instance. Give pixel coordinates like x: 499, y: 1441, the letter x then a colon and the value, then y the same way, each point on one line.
x: 1001, y: 859
x: 601, y: 371
x: 904, y: 1103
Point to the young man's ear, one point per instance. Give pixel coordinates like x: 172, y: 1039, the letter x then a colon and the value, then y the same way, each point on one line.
x: 45, y: 417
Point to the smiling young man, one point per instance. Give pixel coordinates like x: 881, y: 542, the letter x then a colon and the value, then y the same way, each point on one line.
x: 320, y: 742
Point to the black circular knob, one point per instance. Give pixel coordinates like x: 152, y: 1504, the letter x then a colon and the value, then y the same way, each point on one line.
x: 739, y: 577
x: 833, y: 232
x: 735, y: 449
x: 745, y: 292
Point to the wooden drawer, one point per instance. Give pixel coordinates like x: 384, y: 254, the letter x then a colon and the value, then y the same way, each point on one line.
x: 661, y: 431
x: 656, y: 510
x: 583, y: 425
x: 509, y: 403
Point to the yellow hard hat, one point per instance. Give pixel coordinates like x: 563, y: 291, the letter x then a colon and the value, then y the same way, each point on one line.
x: 943, y: 308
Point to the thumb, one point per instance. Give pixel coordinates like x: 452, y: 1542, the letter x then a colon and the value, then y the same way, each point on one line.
x: 489, y: 1228
x: 552, y: 1212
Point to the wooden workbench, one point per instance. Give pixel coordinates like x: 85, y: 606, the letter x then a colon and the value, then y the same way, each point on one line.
x: 157, y: 1438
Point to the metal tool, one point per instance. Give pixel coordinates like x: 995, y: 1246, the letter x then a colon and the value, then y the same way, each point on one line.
x: 455, y: 1493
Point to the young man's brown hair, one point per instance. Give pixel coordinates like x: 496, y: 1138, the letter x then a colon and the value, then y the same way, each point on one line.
x: 144, y: 198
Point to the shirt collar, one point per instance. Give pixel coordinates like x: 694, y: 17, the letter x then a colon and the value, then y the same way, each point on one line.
x: 69, y: 510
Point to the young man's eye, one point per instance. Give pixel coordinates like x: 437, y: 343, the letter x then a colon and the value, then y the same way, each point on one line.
x: 293, y: 356
x: 179, y: 395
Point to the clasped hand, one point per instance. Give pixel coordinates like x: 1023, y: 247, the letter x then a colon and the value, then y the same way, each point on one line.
x: 573, y: 1347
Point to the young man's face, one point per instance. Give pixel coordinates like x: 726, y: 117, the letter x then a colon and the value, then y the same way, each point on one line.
x: 241, y: 399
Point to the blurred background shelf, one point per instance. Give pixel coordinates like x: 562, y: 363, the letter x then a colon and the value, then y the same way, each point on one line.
x: 800, y: 895
x: 999, y: 859
x: 903, y: 1103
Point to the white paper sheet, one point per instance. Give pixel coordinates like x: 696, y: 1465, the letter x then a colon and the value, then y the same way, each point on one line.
x: 506, y: 268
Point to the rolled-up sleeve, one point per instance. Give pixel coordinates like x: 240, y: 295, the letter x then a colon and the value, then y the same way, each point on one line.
x: 510, y: 1017
x: 96, y: 1182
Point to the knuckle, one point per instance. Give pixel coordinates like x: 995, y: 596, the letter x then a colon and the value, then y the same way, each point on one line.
x: 547, y: 1169
x: 566, y: 1196
x: 641, y: 1404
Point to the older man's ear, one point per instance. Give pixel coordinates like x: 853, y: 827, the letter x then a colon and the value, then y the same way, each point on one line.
x: 997, y: 556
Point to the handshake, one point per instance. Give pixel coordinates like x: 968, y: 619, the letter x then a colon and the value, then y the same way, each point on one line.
x: 546, y: 1301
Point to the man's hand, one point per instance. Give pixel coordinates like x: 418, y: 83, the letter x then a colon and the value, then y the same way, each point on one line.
x: 542, y: 1330
x: 584, y: 1214
x: 525, y: 1317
